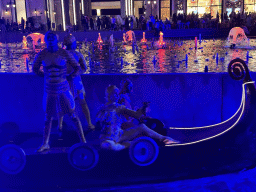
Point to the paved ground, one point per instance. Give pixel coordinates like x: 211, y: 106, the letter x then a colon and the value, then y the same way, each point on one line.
x: 244, y: 181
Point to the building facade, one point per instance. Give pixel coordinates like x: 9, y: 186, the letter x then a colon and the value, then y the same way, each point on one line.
x: 60, y: 13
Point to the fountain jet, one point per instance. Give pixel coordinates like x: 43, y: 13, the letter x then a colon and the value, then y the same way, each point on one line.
x: 25, y: 43
x: 143, y: 40
x: 161, y: 43
x: 99, y: 41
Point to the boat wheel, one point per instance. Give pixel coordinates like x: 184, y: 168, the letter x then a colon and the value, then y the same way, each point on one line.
x: 143, y: 151
x: 83, y: 157
x: 12, y: 159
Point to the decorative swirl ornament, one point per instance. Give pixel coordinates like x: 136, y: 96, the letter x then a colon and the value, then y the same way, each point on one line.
x: 238, y: 70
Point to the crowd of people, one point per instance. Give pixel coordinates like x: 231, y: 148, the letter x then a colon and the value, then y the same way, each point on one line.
x: 177, y: 21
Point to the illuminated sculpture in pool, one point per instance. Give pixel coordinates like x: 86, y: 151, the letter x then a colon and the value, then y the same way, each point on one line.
x: 99, y: 41
x: 143, y: 40
x: 237, y: 38
x: 35, y: 37
x: 130, y: 37
x: 25, y: 43
x: 161, y: 43
x: 124, y: 38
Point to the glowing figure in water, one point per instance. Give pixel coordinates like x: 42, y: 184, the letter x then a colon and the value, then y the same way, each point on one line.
x: 130, y: 37
x: 237, y: 37
x: 36, y: 36
x: 25, y: 43
x: 58, y: 99
x: 143, y: 40
x: 124, y: 38
x: 99, y: 41
x: 161, y: 43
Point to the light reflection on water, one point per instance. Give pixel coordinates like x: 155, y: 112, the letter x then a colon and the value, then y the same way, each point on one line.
x: 169, y: 60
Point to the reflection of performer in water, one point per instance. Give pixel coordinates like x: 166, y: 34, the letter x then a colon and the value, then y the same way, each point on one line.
x: 111, y: 117
x: 58, y: 99
x: 75, y: 83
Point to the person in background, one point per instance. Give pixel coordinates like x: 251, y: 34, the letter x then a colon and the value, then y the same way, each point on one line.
x: 91, y: 23
x: 58, y: 99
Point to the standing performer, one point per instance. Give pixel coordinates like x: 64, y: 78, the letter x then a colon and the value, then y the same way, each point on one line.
x: 58, y: 99
x: 75, y: 83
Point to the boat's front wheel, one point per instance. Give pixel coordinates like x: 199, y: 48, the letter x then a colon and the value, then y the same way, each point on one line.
x: 12, y: 159
x: 83, y: 157
x: 143, y: 151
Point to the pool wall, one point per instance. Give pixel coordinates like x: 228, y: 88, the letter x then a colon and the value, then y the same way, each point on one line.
x: 179, y: 100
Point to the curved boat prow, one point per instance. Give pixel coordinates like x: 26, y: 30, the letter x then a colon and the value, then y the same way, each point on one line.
x: 242, y: 122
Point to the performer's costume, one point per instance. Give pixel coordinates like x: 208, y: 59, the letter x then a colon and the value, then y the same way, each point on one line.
x: 76, y: 85
x: 58, y: 99
x: 57, y: 96
x: 111, y: 117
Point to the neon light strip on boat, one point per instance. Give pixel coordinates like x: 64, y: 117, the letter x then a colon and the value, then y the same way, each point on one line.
x: 194, y: 142
x: 180, y: 128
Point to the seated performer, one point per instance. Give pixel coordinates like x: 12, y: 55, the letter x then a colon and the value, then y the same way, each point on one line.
x: 75, y: 83
x: 111, y: 117
x: 155, y: 124
x: 58, y: 99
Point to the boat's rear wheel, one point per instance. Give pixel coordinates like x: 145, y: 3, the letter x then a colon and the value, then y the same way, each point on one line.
x: 12, y: 159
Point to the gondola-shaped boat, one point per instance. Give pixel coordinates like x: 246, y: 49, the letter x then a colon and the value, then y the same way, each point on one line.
x: 238, y: 70
x: 224, y: 147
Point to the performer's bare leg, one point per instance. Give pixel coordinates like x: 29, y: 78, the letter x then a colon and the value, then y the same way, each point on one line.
x: 47, y: 132
x: 86, y: 112
x: 79, y: 128
x: 142, y: 129
x: 60, y: 123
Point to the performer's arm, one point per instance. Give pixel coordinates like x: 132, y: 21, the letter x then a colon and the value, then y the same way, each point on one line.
x: 74, y: 64
x: 132, y: 113
x: 37, y: 64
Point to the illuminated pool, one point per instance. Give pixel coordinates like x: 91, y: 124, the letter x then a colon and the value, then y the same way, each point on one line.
x: 122, y: 59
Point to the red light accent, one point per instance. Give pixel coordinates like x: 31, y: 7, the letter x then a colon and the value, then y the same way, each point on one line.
x: 161, y: 39
x: 143, y: 40
x: 99, y: 41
